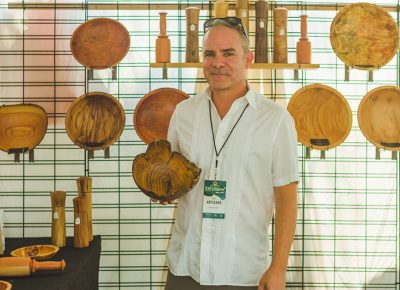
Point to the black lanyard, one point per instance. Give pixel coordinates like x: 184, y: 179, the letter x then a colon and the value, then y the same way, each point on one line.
x: 230, y: 133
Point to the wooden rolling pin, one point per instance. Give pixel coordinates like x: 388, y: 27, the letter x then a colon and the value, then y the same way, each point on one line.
x: 163, y: 44
x: 84, y: 185
x: 81, y: 231
x: 280, y: 35
x: 303, y: 47
x: 261, y: 32
x: 25, y: 266
x: 192, y: 34
x: 242, y: 12
x: 58, y: 237
x: 221, y: 9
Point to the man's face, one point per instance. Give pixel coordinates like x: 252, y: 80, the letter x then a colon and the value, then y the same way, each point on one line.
x: 224, y: 61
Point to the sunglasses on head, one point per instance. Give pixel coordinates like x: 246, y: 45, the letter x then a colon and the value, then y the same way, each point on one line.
x: 233, y: 22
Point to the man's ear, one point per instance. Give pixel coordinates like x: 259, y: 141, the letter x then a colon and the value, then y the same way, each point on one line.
x: 249, y: 58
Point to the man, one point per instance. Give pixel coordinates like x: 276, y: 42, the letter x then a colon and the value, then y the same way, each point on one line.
x: 246, y: 147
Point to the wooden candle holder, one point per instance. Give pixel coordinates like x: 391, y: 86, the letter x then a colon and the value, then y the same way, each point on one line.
x: 58, y: 237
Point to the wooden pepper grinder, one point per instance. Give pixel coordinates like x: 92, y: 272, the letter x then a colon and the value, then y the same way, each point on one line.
x: 242, y: 12
x: 280, y: 35
x: 58, y: 237
x: 303, y: 47
x: 163, y: 44
x: 261, y: 32
x: 221, y: 9
x: 84, y: 185
x: 2, y: 239
x: 81, y: 235
x: 192, y: 34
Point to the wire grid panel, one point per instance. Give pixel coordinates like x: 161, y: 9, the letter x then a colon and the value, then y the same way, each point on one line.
x: 348, y: 225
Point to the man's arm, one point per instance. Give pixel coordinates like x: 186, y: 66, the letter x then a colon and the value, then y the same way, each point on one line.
x: 285, y: 224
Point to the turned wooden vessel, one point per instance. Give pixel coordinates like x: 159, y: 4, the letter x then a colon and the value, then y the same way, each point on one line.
x: 100, y: 43
x: 38, y: 252
x: 81, y: 225
x: 154, y: 111
x: 364, y: 36
x: 242, y: 12
x: 163, y: 44
x: 192, y: 34
x: 322, y: 116
x: 84, y: 185
x: 58, y: 231
x: 221, y: 9
x: 95, y: 121
x: 261, y: 53
x: 162, y: 174
x: 22, y: 127
x: 303, y: 46
x: 4, y: 285
x: 280, y: 35
x: 379, y: 117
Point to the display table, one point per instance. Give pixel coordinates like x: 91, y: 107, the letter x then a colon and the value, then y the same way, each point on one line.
x: 81, y: 272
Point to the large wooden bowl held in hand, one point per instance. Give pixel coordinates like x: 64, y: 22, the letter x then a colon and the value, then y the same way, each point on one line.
x: 379, y: 117
x: 100, y: 43
x: 162, y: 174
x: 322, y: 115
x: 95, y: 121
x: 22, y: 127
x: 364, y: 36
x: 154, y: 111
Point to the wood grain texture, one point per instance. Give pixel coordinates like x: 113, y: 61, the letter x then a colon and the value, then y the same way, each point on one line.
x: 4, y: 285
x: 100, y: 43
x: 321, y: 114
x: 81, y: 227
x: 22, y: 127
x: 221, y: 9
x: 379, y: 117
x: 192, y: 34
x: 84, y: 185
x: 280, y: 35
x: 163, y: 44
x: 162, y: 174
x: 58, y: 230
x: 38, y: 252
x: 261, y: 51
x: 364, y: 36
x: 303, y: 46
x: 95, y: 121
x: 25, y: 266
x: 154, y: 111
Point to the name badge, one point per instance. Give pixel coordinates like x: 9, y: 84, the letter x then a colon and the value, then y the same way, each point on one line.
x: 214, y: 199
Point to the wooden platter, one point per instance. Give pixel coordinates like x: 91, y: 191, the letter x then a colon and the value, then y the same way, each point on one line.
x: 4, y: 285
x: 322, y: 115
x: 379, y: 117
x: 364, y: 36
x: 22, y: 127
x: 100, y: 43
x: 162, y: 174
x: 95, y: 121
x: 38, y: 252
x: 154, y: 111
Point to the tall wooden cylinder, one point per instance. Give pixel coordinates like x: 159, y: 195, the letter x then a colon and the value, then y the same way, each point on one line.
x: 84, y: 185
x: 303, y: 47
x: 242, y: 12
x: 280, y: 35
x: 192, y: 34
x: 163, y: 45
x: 221, y: 9
x: 58, y: 237
x: 261, y: 54
x: 81, y: 235
x: 2, y: 240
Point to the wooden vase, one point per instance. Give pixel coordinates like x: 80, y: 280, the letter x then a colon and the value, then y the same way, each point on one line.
x: 303, y: 47
x: 58, y: 237
x: 84, y: 185
x: 280, y: 35
x: 221, y: 9
x: 163, y: 44
x: 242, y: 12
x: 261, y: 54
x: 192, y: 34
x: 81, y: 229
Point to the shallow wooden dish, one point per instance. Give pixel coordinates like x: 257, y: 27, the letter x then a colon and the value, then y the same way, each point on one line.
x: 379, y: 117
x: 154, y: 111
x: 322, y: 115
x: 364, y: 36
x: 95, y: 121
x: 39, y: 252
x: 22, y: 127
x: 162, y: 174
x: 5, y: 285
x: 100, y: 43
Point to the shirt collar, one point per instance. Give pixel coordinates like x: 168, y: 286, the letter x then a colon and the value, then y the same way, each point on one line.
x: 250, y: 96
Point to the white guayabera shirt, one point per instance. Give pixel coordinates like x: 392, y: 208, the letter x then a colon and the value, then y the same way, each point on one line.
x: 261, y: 153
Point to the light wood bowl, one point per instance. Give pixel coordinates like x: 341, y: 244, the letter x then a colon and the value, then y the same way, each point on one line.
x: 95, y: 121
x: 22, y: 127
x: 364, y: 36
x: 154, y: 111
x: 162, y: 174
x: 379, y: 117
x: 38, y: 252
x: 322, y: 115
x: 5, y: 285
x: 100, y: 43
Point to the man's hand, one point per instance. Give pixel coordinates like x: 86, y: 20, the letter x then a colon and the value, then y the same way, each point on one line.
x: 273, y: 279
x: 163, y: 202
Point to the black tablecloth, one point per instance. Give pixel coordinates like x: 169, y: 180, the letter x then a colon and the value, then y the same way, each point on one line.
x: 81, y: 272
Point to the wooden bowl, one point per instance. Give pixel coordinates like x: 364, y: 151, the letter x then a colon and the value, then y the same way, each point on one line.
x: 100, y: 43
x: 379, y: 117
x: 162, y: 174
x: 322, y: 115
x: 154, y: 111
x: 95, y: 121
x: 22, y: 127
x: 364, y: 36
x: 5, y: 285
x: 39, y: 252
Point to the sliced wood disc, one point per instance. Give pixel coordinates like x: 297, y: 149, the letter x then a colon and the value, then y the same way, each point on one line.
x: 154, y: 111
x: 162, y: 174
x: 95, y: 121
x: 364, y: 36
x: 100, y: 43
x: 322, y: 115
x: 22, y: 127
x: 379, y: 117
